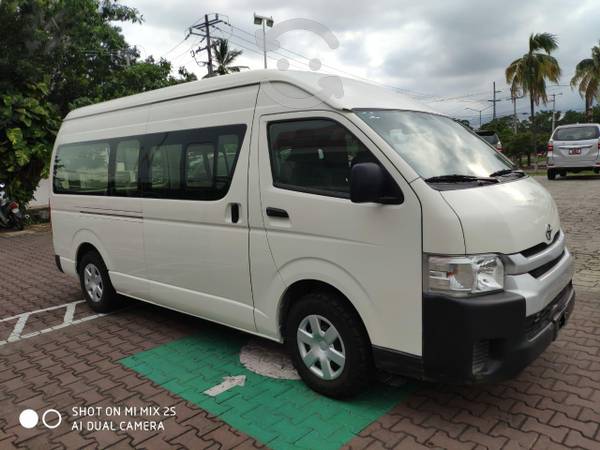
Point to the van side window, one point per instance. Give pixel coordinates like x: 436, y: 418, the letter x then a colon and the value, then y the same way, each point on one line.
x: 314, y: 155
x: 82, y: 168
x: 199, y: 165
x: 165, y: 168
x: 196, y: 164
x: 193, y: 164
x: 127, y: 157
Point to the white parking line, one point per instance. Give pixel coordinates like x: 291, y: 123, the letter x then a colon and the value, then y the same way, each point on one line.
x: 17, y: 332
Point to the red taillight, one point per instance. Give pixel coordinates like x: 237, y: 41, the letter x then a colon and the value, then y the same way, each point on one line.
x: 550, y: 148
x: 13, y: 205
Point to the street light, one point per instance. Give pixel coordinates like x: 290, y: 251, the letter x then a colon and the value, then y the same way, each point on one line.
x: 265, y: 22
x: 479, y: 111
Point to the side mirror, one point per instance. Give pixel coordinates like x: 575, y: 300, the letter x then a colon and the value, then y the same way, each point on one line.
x: 370, y: 183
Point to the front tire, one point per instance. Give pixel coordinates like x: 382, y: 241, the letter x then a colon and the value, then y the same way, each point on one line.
x: 551, y: 174
x: 329, y: 345
x: 96, y: 286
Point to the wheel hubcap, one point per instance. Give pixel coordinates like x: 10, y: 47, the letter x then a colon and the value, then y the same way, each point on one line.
x: 92, y: 280
x: 321, y: 347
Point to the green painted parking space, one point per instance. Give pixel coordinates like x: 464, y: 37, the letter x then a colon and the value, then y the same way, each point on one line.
x: 283, y: 414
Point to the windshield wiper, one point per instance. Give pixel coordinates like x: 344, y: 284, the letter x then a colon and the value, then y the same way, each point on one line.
x: 457, y: 178
x: 503, y: 172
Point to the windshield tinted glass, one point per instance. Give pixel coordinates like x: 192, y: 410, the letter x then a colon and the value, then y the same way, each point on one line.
x: 576, y: 133
x: 435, y: 145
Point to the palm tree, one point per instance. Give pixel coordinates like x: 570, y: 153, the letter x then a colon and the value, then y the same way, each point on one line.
x: 223, y: 57
x: 529, y: 73
x: 587, y: 76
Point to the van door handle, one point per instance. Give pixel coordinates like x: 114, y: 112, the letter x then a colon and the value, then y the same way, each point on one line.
x: 235, y: 212
x: 276, y: 212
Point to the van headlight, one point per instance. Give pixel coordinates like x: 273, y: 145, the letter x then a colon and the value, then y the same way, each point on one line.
x: 462, y: 276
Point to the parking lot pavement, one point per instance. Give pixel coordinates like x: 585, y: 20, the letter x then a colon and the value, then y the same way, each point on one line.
x: 150, y: 358
x: 578, y: 199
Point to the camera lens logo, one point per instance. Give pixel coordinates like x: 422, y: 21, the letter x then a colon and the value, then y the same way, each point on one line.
x: 329, y: 85
x: 29, y: 418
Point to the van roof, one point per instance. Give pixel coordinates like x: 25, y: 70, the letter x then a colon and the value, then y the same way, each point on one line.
x: 356, y: 94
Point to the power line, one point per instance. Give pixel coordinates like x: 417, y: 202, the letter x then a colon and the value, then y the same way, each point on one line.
x: 352, y: 75
x: 235, y: 39
x: 184, y: 39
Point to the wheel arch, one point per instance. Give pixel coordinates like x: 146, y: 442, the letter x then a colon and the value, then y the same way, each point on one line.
x: 85, y: 241
x: 299, y: 288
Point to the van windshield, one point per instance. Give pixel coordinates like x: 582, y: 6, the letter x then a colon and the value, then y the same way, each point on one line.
x: 435, y: 146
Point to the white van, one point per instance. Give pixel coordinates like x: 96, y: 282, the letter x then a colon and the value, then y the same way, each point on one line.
x: 359, y: 227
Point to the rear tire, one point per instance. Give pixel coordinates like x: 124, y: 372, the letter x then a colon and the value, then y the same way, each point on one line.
x: 96, y: 286
x: 551, y: 174
x: 336, y: 359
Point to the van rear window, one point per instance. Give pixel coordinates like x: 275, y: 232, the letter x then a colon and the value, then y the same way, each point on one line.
x: 82, y: 168
x: 576, y: 133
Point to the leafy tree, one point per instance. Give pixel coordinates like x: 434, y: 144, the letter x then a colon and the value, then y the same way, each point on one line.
x: 528, y: 74
x: 224, y: 56
x: 571, y: 117
x: 587, y: 79
x: 28, y: 124
x: 515, y: 145
x: 56, y: 55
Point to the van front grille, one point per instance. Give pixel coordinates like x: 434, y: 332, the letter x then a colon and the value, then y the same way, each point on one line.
x: 539, y: 247
x: 539, y: 271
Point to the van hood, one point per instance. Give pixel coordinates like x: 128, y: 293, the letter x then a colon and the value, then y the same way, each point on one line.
x: 505, y: 217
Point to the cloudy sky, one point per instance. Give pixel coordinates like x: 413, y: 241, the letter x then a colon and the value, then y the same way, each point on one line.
x: 446, y: 53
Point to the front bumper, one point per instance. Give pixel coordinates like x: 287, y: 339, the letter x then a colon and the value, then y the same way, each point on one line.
x: 476, y: 340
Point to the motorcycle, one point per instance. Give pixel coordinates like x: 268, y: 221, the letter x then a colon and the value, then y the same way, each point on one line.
x: 10, y: 214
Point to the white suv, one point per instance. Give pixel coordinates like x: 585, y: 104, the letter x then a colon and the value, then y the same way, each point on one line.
x: 574, y: 148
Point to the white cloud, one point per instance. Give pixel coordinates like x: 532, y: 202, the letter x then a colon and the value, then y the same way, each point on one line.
x: 445, y: 49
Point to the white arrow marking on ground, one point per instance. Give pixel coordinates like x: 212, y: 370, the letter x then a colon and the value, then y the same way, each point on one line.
x: 228, y: 383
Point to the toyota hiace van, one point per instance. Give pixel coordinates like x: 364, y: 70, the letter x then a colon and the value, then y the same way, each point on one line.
x: 362, y: 229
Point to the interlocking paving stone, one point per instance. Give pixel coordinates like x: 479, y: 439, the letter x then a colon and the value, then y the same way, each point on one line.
x: 280, y: 413
x: 560, y: 391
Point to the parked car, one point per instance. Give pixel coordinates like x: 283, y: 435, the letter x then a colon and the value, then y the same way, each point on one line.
x: 574, y: 148
x: 365, y: 231
x: 491, y: 138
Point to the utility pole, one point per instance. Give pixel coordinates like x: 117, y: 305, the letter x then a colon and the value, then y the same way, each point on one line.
x: 202, y: 29
x: 493, y: 100
x: 514, y: 98
x: 208, y: 47
x: 554, y: 109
